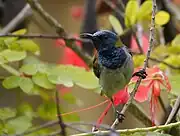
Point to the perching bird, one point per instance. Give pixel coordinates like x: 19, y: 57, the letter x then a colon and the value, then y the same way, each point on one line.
x: 112, y: 65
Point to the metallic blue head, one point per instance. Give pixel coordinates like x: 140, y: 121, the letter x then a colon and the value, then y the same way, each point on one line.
x: 103, y: 39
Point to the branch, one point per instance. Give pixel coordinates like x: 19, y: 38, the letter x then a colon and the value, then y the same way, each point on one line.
x: 151, y: 43
x: 130, y: 131
x: 59, y: 30
x: 61, y: 123
x: 25, y: 12
x: 43, y: 36
x: 174, y: 111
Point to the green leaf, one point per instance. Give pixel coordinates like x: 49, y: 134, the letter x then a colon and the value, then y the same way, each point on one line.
x: 26, y: 84
x: 11, y: 82
x: 131, y: 13
x: 162, y: 18
x: 31, y: 60
x: 91, y: 81
x: 29, y: 45
x: 47, y: 110
x: 29, y: 69
x: 175, y: 84
x: 67, y: 75
x: 145, y: 9
x: 41, y: 80
x: 116, y: 24
x: 19, y: 124
x: 11, y: 56
x: 9, y: 40
x: 176, y: 41
x: 6, y: 113
x: 20, y: 32
x: 26, y: 110
x: 156, y: 134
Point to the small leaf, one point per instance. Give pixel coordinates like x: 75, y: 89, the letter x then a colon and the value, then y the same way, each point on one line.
x: 11, y: 82
x: 29, y: 45
x: 6, y: 113
x: 41, y: 80
x: 29, y: 69
x: 162, y: 18
x: 176, y: 41
x: 175, y: 84
x: 26, y: 110
x: 47, y: 110
x: 131, y: 13
x: 145, y: 9
x: 19, y: 124
x: 116, y: 24
x: 20, y: 32
x: 11, y: 56
x: 9, y: 40
x: 26, y: 84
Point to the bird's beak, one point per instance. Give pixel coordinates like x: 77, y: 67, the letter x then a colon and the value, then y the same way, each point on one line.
x: 87, y: 36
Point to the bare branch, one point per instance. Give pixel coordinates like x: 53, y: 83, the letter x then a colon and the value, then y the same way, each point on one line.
x: 174, y: 111
x: 61, y: 123
x: 24, y: 13
x: 44, y: 36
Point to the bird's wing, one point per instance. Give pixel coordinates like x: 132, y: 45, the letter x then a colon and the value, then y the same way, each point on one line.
x: 96, y: 66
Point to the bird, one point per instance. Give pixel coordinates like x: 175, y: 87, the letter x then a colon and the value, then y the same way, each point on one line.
x: 112, y: 65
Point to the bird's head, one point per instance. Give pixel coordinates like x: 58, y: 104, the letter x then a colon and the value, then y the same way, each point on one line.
x: 102, y: 39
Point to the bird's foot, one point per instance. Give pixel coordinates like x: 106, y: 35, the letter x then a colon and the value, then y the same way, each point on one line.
x: 141, y: 73
x: 120, y: 116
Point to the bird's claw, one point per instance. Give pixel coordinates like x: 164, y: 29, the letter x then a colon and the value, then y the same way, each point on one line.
x: 141, y: 73
x: 120, y: 116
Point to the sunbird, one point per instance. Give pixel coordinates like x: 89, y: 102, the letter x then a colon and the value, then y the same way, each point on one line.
x: 112, y: 65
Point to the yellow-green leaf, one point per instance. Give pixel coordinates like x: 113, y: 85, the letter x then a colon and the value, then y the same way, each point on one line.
x: 131, y: 13
x: 162, y: 17
x: 11, y: 55
x: 145, y: 9
x: 176, y: 41
x: 20, y: 31
x: 116, y: 24
x: 29, y: 45
x: 41, y: 80
x: 26, y: 84
x: 11, y: 82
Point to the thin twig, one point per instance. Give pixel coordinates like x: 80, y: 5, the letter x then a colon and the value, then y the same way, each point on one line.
x: 131, y: 131
x: 151, y: 43
x: 24, y: 13
x: 61, y: 123
x: 43, y: 36
x: 59, y: 30
x: 174, y: 111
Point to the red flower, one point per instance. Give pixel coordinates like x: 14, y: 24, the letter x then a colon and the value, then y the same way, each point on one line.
x: 77, y: 12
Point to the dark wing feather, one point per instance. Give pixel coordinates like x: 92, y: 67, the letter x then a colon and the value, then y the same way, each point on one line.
x: 96, y: 67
